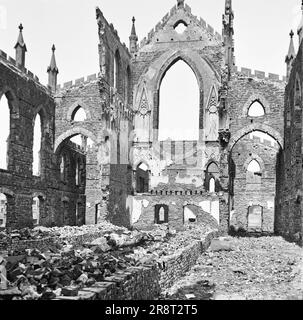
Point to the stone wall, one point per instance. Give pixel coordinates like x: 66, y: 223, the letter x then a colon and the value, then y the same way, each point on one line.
x: 289, y: 207
x: 105, y: 98
x: 148, y: 281
x: 142, y: 208
x: 175, y: 267
x: 27, y: 98
x: 175, y: 165
x: 261, y: 192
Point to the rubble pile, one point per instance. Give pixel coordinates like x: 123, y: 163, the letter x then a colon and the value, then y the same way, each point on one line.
x: 165, y: 241
x: 62, y: 232
x: 37, y: 275
x: 65, y: 269
x: 242, y: 269
x: 69, y: 231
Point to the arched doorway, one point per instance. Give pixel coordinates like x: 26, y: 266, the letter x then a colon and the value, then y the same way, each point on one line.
x: 142, y: 178
x: 81, y: 165
x: 253, y: 179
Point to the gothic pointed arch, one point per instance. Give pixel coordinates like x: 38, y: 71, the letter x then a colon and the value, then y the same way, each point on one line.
x: 75, y: 106
x: 179, y: 95
x: 73, y: 132
x: 255, y: 127
x: 200, y: 66
x: 175, y: 57
x: 259, y: 99
x: 254, y: 157
x: 12, y: 100
x: 117, y: 72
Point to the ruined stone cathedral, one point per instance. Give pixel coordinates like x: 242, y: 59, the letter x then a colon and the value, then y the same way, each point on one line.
x: 121, y: 170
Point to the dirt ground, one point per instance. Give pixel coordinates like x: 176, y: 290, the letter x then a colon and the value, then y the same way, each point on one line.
x: 265, y: 268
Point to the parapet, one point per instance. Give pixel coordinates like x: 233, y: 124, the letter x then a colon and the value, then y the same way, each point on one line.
x: 12, y: 62
x: 259, y: 74
x: 78, y: 82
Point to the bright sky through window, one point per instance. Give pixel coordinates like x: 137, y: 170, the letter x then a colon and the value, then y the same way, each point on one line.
x: 179, y: 104
x: 4, y: 131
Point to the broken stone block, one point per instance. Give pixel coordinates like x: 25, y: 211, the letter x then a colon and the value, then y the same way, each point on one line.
x: 83, y: 278
x: 102, y: 244
x: 9, y: 293
x: 86, y: 295
x: 65, y: 280
x: 41, y: 229
x: 72, y: 298
x: 49, y: 295
x: 30, y: 293
x: 70, y: 291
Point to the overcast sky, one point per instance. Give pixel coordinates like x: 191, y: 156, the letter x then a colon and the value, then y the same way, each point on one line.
x: 261, y: 30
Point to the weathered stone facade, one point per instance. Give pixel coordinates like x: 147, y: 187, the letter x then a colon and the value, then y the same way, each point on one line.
x: 104, y: 178
x: 289, y: 216
x: 26, y: 98
x: 254, y: 189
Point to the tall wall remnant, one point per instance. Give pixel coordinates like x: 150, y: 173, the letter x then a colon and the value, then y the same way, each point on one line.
x: 289, y: 217
x: 34, y: 195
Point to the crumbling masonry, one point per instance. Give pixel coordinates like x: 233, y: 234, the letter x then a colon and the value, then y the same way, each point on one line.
x: 121, y: 171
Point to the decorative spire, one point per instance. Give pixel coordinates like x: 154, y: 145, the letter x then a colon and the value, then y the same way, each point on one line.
x: 133, y: 32
x: 133, y: 39
x: 290, y: 56
x: 291, y: 51
x: 300, y: 28
x: 228, y: 6
x: 53, y: 71
x: 53, y: 64
x: 20, y: 48
x: 20, y: 41
x: 180, y: 3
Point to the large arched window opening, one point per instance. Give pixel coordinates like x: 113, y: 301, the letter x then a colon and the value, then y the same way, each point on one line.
x: 78, y: 172
x: 36, y: 211
x: 4, y: 132
x: 254, y: 172
x: 256, y: 110
x: 142, y: 174
x: 254, y: 166
x: 117, y: 72
x: 3, y: 210
x: 63, y: 168
x: 37, y: 145
x: 128, y: 86
x: 79, y: 114
x: 179, y: 104
x: 212, y: 176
